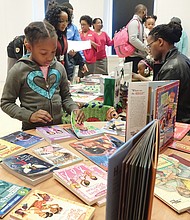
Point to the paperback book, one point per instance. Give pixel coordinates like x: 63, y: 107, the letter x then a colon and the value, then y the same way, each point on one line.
x: 84, y: 130
x: 98, y: 149
x: 54, y: 134
x: 173, y: 181
x: 22, y: 138
x: 181, y: 129
x: 29, y: 168
x: 10, y: 195
x: 89, y: 183
x: 39, y: 205
x: 131, y: 176
x: 8, y: 149
x: 57, y: 155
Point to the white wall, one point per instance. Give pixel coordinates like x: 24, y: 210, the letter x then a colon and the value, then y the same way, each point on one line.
x: 16, y: 15
x: 166, y: 9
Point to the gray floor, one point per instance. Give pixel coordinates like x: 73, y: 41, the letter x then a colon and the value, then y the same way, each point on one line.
x: 7, y: 124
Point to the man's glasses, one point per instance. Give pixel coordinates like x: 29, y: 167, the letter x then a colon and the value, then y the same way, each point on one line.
x: 149, y: 45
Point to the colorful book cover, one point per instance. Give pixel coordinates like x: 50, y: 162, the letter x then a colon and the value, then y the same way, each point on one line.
x: 22, y: 138
x: 39, y: 205
x: 172, y: 182
x: 177, y: 145
x: 84, y: 130
x: 98, y: 149
x: 8, y: 149
x: 27, y: 164
x: 181, y: 130
x: 166, y: 99
x: 10, y: 195
x: 57, y: 155
x: 54, y: 133
x: 89, y: 183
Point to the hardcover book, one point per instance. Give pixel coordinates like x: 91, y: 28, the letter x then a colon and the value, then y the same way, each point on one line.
x: 84, y: 130
x: 173, y: 181
x: 10, y: 195
x: 57, y: 155
x: 54, y: 134
x: 8, y: 149
x: 98, y: 149
x: 28, y: 168
x: 39, y: 205
x: 131, y: 176
x: 89, y: 183
x: 83, y: 98
x: 22, y: 138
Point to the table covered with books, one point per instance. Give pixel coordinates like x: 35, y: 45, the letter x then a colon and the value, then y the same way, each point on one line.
x: 159, y: 211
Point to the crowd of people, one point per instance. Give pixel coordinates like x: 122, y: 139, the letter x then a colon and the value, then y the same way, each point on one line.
x: 40, y: 65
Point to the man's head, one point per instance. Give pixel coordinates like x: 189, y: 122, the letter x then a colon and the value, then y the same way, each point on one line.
x: 141, y: 11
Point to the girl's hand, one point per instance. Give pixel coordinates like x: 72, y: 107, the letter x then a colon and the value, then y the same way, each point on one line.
x: 41, y: 116
x: 79, y: 115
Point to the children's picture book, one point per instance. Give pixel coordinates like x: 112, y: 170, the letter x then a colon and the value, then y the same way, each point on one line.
x: 29, y: 168
x: 54, y: 134
x: 181, y: 130
x: 83, y: 98
x: 89, y: 183
x: 39, y: 205
x: 84, y: 130
x: 22, y: 138
x: 8, y: 149
x: 152, y: 100
x: 98, y: 149
x: 131, y: 176
x: 10, y: 195
x: 177, y: 145
x: 173, y: 181
x: 115, y: 127
x: 57, y: 155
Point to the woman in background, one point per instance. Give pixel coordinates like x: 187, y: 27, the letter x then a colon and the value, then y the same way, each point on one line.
x: 101, y: 57
x: 87, y: 34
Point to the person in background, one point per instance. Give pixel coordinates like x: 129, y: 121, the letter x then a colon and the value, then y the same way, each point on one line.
x: 59, y: 17
x: 87, y: 34
x: 175, y: 66
x: 101, y: 57
x: 73, y: 34
x: 149, y: 24
x: 15, y: 50
x: 145, y: 67
x: 136, y: 38
x: 182, y: 45
x: 39, y: 81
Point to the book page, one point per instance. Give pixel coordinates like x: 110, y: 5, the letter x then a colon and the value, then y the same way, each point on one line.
x: 136, y: 108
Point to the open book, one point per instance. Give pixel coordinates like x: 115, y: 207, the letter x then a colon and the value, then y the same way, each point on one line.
x: 84, y: 130
x: 131, y: 176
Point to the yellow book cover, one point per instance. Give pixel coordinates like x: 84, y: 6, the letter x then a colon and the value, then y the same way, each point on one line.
x: 39, y: 205
x: 7, y: 149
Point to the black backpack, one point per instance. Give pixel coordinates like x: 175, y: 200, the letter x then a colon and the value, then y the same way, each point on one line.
x: 16, y: 48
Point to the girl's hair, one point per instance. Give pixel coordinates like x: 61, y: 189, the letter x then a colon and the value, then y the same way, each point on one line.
x: 169, y: 32
x: 86, y: 18
x: 53, y: 15
x: 151, y: 16
x: 38, y: 30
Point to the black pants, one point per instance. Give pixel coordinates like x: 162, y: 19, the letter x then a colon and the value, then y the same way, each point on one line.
x: 135, y: 61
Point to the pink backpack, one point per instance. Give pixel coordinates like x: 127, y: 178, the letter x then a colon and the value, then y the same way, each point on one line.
x: 121, y: 42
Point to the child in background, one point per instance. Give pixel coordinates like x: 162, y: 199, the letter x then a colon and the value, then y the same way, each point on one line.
x: 145, y: 67
x: 39, y: 81
x: 149, y: 24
